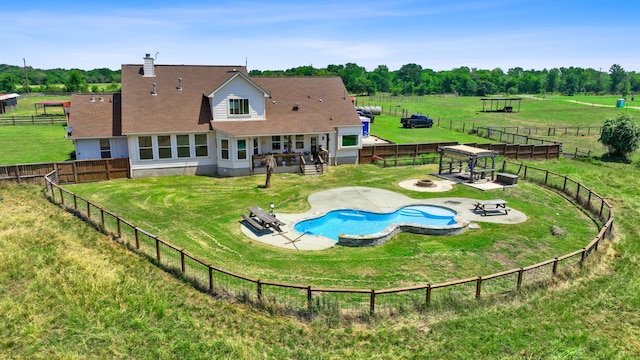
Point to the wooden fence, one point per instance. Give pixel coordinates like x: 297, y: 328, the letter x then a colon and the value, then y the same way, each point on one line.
x: 306, y: 300
x: 34, y: 120
x: 68, y: 172
x: 413, y: 154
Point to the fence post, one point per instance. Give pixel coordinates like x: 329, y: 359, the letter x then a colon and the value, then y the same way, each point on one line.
x: 157, y: 249
x: 259, y: 289
x: 555, y: 266
x: 583, y: 256
x: 119, y: 228
x: 578, y: 193
x: 102, y: 218
x: 88, y: 210
x: 428, y: 294
x: 75, y: 202
x: 18, y: 174
x: 546, y: 177
x: 520, y: 273
x: 309, y: 301
x: 564, y: 186
x: 478, y: 287
x: 372, y: 302
x: 137, y: 236
x: 210, y: 279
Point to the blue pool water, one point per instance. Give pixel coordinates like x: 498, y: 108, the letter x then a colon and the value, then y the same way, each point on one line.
x: 357, y: 222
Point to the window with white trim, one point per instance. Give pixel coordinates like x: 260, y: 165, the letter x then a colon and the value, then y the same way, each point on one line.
x: 145, y: 147
x: 105, y: 149
x: 349, y: 140
x: 242, y: 149
x: 276, y: 143
x: 202, y: 149
x: 164, y: 147
x: 238, y: 106
x: 299, y: 142
x: 183, y: 145
x: 224, y: 149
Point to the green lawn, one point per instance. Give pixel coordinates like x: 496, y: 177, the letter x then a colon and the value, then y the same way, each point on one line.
x: 68, y: 292
x: 24, y: 144
x: 181, y: 211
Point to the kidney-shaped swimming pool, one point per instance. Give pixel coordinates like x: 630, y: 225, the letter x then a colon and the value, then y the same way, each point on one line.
x: 362, y: 223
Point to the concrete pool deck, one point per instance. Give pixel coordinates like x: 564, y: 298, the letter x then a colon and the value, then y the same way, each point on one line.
x: 367, y: 199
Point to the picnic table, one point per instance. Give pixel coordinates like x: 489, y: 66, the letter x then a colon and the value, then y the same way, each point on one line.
x: 496, y: 206
x: 260, y: 219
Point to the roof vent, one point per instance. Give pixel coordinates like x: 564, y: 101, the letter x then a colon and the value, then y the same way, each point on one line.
x: 148, y: 69
x: 154, y: 91
x: 93, y: 98
x: 296, y: 106
x: 179, y: 84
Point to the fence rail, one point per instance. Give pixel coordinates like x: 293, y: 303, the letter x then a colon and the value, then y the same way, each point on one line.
x: 68, y: 172
x: 34, y: 120
x: 306, y: 300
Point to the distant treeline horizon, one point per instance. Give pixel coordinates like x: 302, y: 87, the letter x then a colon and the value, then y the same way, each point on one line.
x: 410, y: 79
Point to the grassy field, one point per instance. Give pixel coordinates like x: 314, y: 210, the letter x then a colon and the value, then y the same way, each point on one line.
x: 26, y: 106
x: 456, y: 113
x: 180, y: 210
x: 23, y: 144
x: 68, y: 292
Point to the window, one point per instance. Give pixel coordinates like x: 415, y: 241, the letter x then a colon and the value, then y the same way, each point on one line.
x: 238, y: 106
x: 201, y: 145
x: 105, y: 149
x: 255, y: 146
x: 299, y: 142
x: 350, y: 140
x: 242, y: 149
x: 164, y: 147
x: 145, y: 147
x: 183, y: 146
x: 224, y: 148
x: 276, y: 143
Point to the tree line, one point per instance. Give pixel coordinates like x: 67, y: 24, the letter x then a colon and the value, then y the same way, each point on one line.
x: 410, y: 79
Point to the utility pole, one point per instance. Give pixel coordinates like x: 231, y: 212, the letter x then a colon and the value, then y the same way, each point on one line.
x: 26, y: 79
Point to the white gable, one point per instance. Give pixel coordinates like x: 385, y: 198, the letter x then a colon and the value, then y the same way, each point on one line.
x: 238, y: 89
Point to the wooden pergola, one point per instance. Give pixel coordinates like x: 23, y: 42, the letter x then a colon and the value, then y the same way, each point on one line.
x: 45, y: 104
x: 464, y: 156
x: 500, y: 104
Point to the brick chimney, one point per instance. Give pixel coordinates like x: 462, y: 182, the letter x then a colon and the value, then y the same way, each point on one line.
x: 148, y: 69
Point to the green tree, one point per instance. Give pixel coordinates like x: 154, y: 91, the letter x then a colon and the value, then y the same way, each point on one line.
x: 75, y: 81
x: 621, y: 136
x: 617, y: 76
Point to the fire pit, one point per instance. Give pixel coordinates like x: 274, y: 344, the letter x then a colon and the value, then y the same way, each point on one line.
x: 425, y: 183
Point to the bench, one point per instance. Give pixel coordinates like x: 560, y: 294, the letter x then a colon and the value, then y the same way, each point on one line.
x: 497, y: 203
x: 495, y: 211
x: 266, y: 219
x: 252, y: 222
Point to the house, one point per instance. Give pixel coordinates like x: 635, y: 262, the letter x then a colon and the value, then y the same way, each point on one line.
x: 8, y: 102
x: 184, y: 119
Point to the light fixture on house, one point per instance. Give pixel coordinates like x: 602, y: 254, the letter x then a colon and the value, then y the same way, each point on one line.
x: 69, y: 130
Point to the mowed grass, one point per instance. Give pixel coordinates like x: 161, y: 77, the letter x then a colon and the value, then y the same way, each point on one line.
x: 25, y: 144
x: 68, y: 292
x: 202, y: 215
x: 452, y: 114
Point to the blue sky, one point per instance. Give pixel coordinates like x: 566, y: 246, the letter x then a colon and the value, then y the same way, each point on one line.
x: 278, y: 35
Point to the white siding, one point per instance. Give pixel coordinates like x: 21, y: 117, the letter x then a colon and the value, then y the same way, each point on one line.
x: 238, y: 88
x: 90, y: 148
